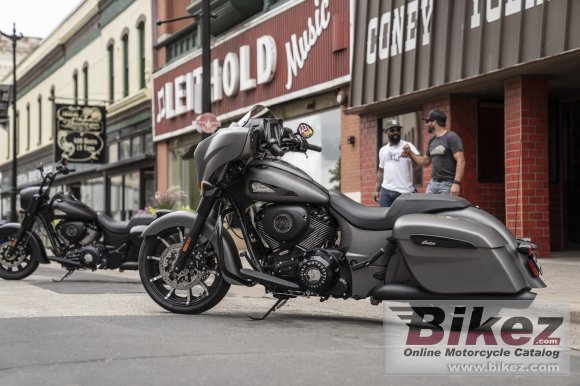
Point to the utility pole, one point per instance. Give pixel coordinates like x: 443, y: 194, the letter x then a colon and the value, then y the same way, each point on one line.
x: 205, y: 57
x: 205, y: 16
x: 14, y: 38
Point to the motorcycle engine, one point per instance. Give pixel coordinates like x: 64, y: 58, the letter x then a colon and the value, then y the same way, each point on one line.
x: 302, y: 247
x: 317, y: 271
x: 283, y: 226
x: 77, y: 232
x: 88, y: 256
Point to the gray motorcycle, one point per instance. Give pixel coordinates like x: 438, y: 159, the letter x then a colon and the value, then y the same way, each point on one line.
x: 79, y: 237
x: 303, y: 240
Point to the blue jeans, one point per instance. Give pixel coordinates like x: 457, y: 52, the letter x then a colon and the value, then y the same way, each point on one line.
x: 387, y: 197
x: 439, y: 187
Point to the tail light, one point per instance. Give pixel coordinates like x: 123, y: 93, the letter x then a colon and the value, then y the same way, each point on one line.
x: 526, y: 247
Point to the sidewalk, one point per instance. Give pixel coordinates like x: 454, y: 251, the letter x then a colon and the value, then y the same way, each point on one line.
x: 562, y: 277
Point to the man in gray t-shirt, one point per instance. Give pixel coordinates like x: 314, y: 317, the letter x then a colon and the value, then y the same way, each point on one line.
x: 445, y: 151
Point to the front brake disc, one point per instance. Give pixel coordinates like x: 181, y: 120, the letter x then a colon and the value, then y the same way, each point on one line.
x: 13, y: 261
x: 187, y: 278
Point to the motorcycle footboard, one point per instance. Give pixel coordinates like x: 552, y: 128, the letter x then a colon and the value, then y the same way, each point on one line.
x: 401, y: 292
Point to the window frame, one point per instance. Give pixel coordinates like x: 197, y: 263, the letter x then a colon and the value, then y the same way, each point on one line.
x: 111, y: 57
x: 141, y: 29
x: 39, y: 119
x: 76, y: 86
x: 86, y: 82
x: 125, y: 49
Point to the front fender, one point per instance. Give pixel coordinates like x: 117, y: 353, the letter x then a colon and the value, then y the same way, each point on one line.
x: 230, y: 261
x: 35, y: 243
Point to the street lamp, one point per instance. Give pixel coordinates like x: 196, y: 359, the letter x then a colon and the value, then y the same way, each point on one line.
x: 14, y: 39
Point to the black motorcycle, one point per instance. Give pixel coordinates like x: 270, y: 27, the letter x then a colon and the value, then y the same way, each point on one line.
x: 74, y: 231
x: 303, y: 240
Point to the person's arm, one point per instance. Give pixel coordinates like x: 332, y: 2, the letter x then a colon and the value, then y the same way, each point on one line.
x: 418, y: 159
x: 459, y: 170
x: 380, y: 175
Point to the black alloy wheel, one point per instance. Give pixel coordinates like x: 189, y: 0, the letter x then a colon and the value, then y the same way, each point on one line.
x: 18, y: 264
x: 196, y: 289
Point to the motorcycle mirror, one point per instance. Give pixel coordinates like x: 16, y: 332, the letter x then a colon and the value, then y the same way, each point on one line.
x: 305, y: 130
x: 40, y: 168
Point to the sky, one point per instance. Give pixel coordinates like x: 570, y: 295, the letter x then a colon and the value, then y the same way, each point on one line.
x: 35, y: 18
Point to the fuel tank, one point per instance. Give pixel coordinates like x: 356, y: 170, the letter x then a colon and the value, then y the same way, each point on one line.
x: 67, y: 207
x: 278, y: 181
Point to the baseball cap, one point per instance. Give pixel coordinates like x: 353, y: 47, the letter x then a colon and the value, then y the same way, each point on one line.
x: 436, y: 115
x: 392, y: 123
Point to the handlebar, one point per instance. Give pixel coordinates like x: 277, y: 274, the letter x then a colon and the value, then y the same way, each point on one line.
x: 48, y: 179
x: 314, y: 148
x: 289, y: 141
x: 276, y: 150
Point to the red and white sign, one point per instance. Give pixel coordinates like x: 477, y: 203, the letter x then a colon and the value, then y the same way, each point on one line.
x: 208, y: 123
x: 297, y: 48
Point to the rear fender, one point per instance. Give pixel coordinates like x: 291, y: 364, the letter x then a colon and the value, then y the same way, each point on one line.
x: 35, y: 243
x: 230, y: 258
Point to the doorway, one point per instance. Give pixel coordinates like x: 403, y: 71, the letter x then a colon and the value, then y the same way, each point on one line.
x: 572, y: 173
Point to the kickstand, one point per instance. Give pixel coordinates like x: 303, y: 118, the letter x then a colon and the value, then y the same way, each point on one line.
x: 69, y: 272
x: 276, y: 306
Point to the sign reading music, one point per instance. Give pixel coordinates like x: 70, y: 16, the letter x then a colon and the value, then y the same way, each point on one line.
x: 246, y: 71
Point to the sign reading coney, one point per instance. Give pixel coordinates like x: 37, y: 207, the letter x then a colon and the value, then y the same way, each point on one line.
x: 272, y: 60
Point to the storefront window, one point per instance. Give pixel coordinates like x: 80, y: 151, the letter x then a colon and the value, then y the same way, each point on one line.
x: 125, y: 196
x: 149, y: 184
x: 183, y: 175
x: 149, y: 143
x: 320, y: 166
x: 124, y: 149
x: 113, y: 152
x: 131, y: 194
x: 411, y: 132
x: 93, y: 193
x: 5, y: 208
x: 116, y: 192
x: 136, y: 146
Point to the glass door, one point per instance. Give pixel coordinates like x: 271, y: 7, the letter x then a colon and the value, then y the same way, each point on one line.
x: 572, y: 186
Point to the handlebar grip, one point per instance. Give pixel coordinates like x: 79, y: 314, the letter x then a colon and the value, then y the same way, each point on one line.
x: 314, y: 148
x: 72, y: 170
x: 275, y: 150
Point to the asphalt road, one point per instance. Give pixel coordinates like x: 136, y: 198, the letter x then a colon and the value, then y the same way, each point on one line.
x: 100, y: 328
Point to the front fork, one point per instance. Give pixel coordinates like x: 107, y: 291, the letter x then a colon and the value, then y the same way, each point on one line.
x: 26, y: 223
x: 203, y: 211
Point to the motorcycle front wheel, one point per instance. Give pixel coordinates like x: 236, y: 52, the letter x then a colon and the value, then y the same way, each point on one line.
x: 196, y: 289
x: 18, y: 264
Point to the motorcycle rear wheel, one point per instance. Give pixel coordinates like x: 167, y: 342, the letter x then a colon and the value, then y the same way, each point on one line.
x: 192, y: 291
x: 20, y: 264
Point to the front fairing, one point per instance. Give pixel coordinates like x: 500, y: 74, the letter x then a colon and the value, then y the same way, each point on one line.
x: 224, y: 146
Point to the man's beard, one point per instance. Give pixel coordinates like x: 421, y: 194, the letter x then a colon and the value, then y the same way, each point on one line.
x: 395, y: 139
x: 431, y: 129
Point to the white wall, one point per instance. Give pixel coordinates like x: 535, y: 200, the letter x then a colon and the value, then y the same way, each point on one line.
x: 96, y: 55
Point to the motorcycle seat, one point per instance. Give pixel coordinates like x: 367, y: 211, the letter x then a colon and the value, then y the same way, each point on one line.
x: 111, y: 225
x: 373, y: 218
x: 115, y: 226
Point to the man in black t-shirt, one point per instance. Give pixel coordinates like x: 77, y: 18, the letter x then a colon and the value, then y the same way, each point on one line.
x: 445, y: 151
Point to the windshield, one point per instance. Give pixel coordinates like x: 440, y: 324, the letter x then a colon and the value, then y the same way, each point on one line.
x: 258, y: 111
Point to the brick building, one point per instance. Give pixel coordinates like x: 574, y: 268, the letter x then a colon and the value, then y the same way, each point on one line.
x: 292, y: 56
x: 504, y: 72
